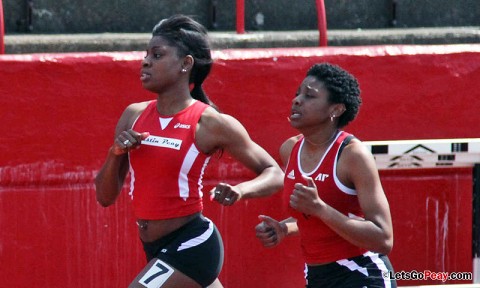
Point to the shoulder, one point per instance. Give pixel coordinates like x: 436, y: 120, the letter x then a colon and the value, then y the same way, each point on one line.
x: 216, y: 130
x: 214, y: 121
x: 356, y: 165
x: 137, y: 107
x: 134, y: 110
x: 288, y: 144
x: 356, y: 158
x: 355, y: 148
x: 287, y: 147
x: 130, y: 114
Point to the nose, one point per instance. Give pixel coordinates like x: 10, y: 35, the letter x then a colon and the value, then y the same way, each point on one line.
x: 296, y: 100
x: 145, y: 62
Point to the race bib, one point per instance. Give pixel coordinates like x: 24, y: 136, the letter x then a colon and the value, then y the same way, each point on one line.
x: 153, y: 275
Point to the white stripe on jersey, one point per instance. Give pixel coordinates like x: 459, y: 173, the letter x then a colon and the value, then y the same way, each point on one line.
x: 187, y: 164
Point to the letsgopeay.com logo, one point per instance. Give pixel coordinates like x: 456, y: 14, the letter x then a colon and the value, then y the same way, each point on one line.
x: 427, y: 275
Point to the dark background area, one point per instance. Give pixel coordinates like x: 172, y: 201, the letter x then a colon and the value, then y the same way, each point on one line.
x: 139, y: 16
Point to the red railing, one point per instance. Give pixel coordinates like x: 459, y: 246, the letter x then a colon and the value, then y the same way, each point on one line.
x: 321, y: 18
x: 2, y: 30
x: 240, y: 16
x: 322, y: 22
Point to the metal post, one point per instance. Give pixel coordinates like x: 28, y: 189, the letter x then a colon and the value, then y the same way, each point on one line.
x: 212, y: 15
x: 322, y: 22
x: 29, y: 15
x: 240, y: 16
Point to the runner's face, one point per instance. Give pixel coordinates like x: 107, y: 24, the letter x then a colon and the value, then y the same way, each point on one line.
x: 161, y: 66
x: 310, y: 107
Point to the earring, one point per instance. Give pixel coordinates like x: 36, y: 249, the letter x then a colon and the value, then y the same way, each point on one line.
x: 331, y: 118
x: 184, y: 70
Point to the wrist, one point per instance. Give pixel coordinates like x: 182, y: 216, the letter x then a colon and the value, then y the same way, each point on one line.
x: 239, y: 191
x: 240, y: 194
x: 115, y: 152
x: 284, y: 229
x: 322, y: 213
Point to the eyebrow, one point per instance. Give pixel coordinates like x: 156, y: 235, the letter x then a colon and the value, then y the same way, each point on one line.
x: 311, y: 88
x: 160, y: 46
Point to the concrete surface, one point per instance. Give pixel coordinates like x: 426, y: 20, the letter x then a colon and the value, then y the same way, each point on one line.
x: 107, y: 42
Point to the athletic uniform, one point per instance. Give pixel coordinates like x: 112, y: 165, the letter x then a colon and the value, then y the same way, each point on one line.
x: 166, y: 182
x: 350, y: 265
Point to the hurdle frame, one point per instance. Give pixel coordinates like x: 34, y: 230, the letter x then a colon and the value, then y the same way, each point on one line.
x: 437, y: 153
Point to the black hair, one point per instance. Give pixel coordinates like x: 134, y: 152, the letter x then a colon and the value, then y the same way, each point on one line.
x: 190, y: 38
x: 342, y: 87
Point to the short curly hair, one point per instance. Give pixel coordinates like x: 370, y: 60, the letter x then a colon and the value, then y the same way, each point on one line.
x: 342, y: 88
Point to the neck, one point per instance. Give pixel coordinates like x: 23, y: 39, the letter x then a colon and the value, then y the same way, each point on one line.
x: 326, y: 140
x: 172, y: 106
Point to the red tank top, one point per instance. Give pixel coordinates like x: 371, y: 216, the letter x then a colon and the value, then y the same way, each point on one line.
x: 166, y: 171
x: 320, y: 244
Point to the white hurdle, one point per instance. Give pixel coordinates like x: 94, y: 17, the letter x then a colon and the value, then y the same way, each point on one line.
x: 436, y: 153
x: 431, y: 153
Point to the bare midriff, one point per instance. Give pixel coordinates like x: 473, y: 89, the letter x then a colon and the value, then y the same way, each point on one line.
x: 151, y: 230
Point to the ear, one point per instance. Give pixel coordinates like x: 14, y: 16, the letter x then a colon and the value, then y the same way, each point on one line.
x: 337, y: 110
x: 187, y: 63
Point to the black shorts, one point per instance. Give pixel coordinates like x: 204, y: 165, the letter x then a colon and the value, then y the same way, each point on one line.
x: 195, y: 249
x: 367, y: 270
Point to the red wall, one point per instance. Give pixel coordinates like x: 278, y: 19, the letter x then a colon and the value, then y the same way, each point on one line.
x: 58, y: 114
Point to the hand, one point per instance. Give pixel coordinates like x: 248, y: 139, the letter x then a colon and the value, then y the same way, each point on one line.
x: 270, y: 232
x: 225, y: 194
x: 305, y: 199
x: 127, y: 140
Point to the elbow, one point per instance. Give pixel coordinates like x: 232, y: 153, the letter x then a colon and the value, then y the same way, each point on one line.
x: 101, y: 198
x: 385, y: 247
x: 103, y: 202
x: 274, y: 181
x: 279, y: 175
x: 278, y: 185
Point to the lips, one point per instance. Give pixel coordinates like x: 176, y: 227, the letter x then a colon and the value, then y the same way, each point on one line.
x: 145, y: 76
x: 295, y: 114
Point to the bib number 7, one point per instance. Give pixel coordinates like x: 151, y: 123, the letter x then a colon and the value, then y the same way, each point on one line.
x: 153, y: 275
